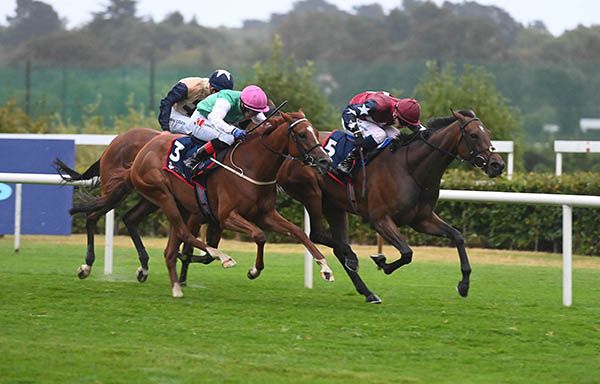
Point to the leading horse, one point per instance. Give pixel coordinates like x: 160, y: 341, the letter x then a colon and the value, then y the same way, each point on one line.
x: 401, y: 187
x: 241, y: 193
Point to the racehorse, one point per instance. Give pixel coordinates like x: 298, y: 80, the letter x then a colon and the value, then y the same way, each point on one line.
x: 401, y: 187
x: 116, y: 158
x: 241, y: 196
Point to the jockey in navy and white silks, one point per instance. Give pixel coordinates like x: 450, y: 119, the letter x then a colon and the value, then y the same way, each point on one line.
x: 373, y: 116
x: 219, y: 113
x: 178, y: 107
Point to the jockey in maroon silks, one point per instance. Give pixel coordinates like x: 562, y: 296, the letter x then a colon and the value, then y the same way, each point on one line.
x: 373, y: 116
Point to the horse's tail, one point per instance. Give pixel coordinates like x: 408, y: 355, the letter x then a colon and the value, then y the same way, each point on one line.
x: 69, y: 174
x: 114, y: 190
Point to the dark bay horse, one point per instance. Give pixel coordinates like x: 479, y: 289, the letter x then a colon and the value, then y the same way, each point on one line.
x: 401, y: 187
x: 114, y: 188
x: 242, y: 196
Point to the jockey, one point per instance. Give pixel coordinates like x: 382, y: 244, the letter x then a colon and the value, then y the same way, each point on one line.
x: 373, y: 116
x: 220, y: 112
x: 178, y: 108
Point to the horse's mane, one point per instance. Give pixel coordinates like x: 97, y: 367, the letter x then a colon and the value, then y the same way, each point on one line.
x: 436, y: 123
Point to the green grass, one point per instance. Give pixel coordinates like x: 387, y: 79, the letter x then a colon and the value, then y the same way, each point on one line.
x: 55, y: 328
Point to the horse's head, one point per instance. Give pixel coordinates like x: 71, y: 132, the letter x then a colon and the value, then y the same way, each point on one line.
x: 304, y: 143
x: 476, y: 145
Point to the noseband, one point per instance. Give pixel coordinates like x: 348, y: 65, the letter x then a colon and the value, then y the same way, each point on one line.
x: 475, y: 157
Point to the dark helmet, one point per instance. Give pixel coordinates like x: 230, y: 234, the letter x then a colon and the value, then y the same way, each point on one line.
x: 221, y: 79
x: 408, y: 111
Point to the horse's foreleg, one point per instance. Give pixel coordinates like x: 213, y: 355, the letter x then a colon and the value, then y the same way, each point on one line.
x: 132, y: 219
x: 434, y: 225
x: 237, y: 223
x: 277, y: 223
x: 338, y: 223
x: 386, y: 227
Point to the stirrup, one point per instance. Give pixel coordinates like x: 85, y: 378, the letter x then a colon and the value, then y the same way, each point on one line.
x: 346, y: 169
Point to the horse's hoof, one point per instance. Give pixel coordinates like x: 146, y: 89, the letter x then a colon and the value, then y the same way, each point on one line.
x: 373, y: 299
x: 142, y: 275
x: 328, y: 276
x: 253, y: 273
x: 176, y: 291
x: 462, y: 288
x: 351, y: 264
x: 228, y: 263
x: 84, y: 271
x: 379, y: 259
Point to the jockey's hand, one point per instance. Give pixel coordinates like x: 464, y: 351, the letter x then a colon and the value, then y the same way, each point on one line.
x: 358, y: 139
x: 238, y: 133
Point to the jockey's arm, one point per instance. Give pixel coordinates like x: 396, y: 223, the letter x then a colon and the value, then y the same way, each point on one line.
x: 177, y: 93
x: 350, y: 117
x: 217, y: 115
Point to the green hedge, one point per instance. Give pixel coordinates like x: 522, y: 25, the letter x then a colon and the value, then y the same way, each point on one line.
x: 489, y: 225
x: 497, y: 225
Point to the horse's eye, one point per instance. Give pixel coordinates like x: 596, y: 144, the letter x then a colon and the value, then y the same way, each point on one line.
x: 474, y: 136
x: 302, y: 135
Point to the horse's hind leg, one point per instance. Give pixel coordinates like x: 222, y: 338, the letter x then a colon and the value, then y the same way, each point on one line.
x: 91, y: 221
x: 388, y: 230
x: 434, y: 225
x: 132, y: 219
x: 188, y: 257
x: 171, y: 251
x: 276, y: 222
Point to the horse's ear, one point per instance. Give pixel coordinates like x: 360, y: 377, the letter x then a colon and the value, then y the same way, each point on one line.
x: 302, y: 112
x: 286, y: 116
x: 456, y: 114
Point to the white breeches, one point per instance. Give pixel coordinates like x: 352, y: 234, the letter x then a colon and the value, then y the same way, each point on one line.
x: 368, y: 128
x: 197, y: 126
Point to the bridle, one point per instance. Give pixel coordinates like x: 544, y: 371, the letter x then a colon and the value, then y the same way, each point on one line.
x: 475, y: 157
x: 306, y: 157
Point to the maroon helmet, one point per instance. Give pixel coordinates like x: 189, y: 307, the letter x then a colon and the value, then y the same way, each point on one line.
x: 408, y: 111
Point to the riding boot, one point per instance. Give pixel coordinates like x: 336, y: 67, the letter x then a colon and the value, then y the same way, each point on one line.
x: 346, y: 165
x: 199, y: 156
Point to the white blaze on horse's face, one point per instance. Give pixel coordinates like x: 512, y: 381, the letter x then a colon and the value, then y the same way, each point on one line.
x: 313, y: 132
x: 481, y: 127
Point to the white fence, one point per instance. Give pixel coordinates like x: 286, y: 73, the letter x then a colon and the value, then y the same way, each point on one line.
x: 573, y: 146
x: 567, y: 201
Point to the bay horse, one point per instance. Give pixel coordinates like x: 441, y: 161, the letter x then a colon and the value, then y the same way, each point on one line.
x: 114, y: 188
x: 241, y: 193
x: 401, y: 187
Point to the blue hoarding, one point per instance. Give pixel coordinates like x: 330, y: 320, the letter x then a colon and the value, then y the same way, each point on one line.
x: 44, y: 207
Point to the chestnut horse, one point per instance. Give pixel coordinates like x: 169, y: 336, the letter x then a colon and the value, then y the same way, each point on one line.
x: 401, y: 186
x: 241, y: 193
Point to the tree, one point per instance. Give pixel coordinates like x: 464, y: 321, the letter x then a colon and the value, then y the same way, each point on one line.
x: 32, y: 19
x: 284, y: 80
x: 445, y: 89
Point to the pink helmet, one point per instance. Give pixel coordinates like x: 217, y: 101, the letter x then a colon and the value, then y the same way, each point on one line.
x: 408, y: 111
x: 254, y: 98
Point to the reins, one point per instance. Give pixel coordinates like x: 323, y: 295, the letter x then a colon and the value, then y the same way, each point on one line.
x: 307, y: 159
x: 474, y: 158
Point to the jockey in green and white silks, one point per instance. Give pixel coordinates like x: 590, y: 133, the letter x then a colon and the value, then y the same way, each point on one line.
x: 219, y: 113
